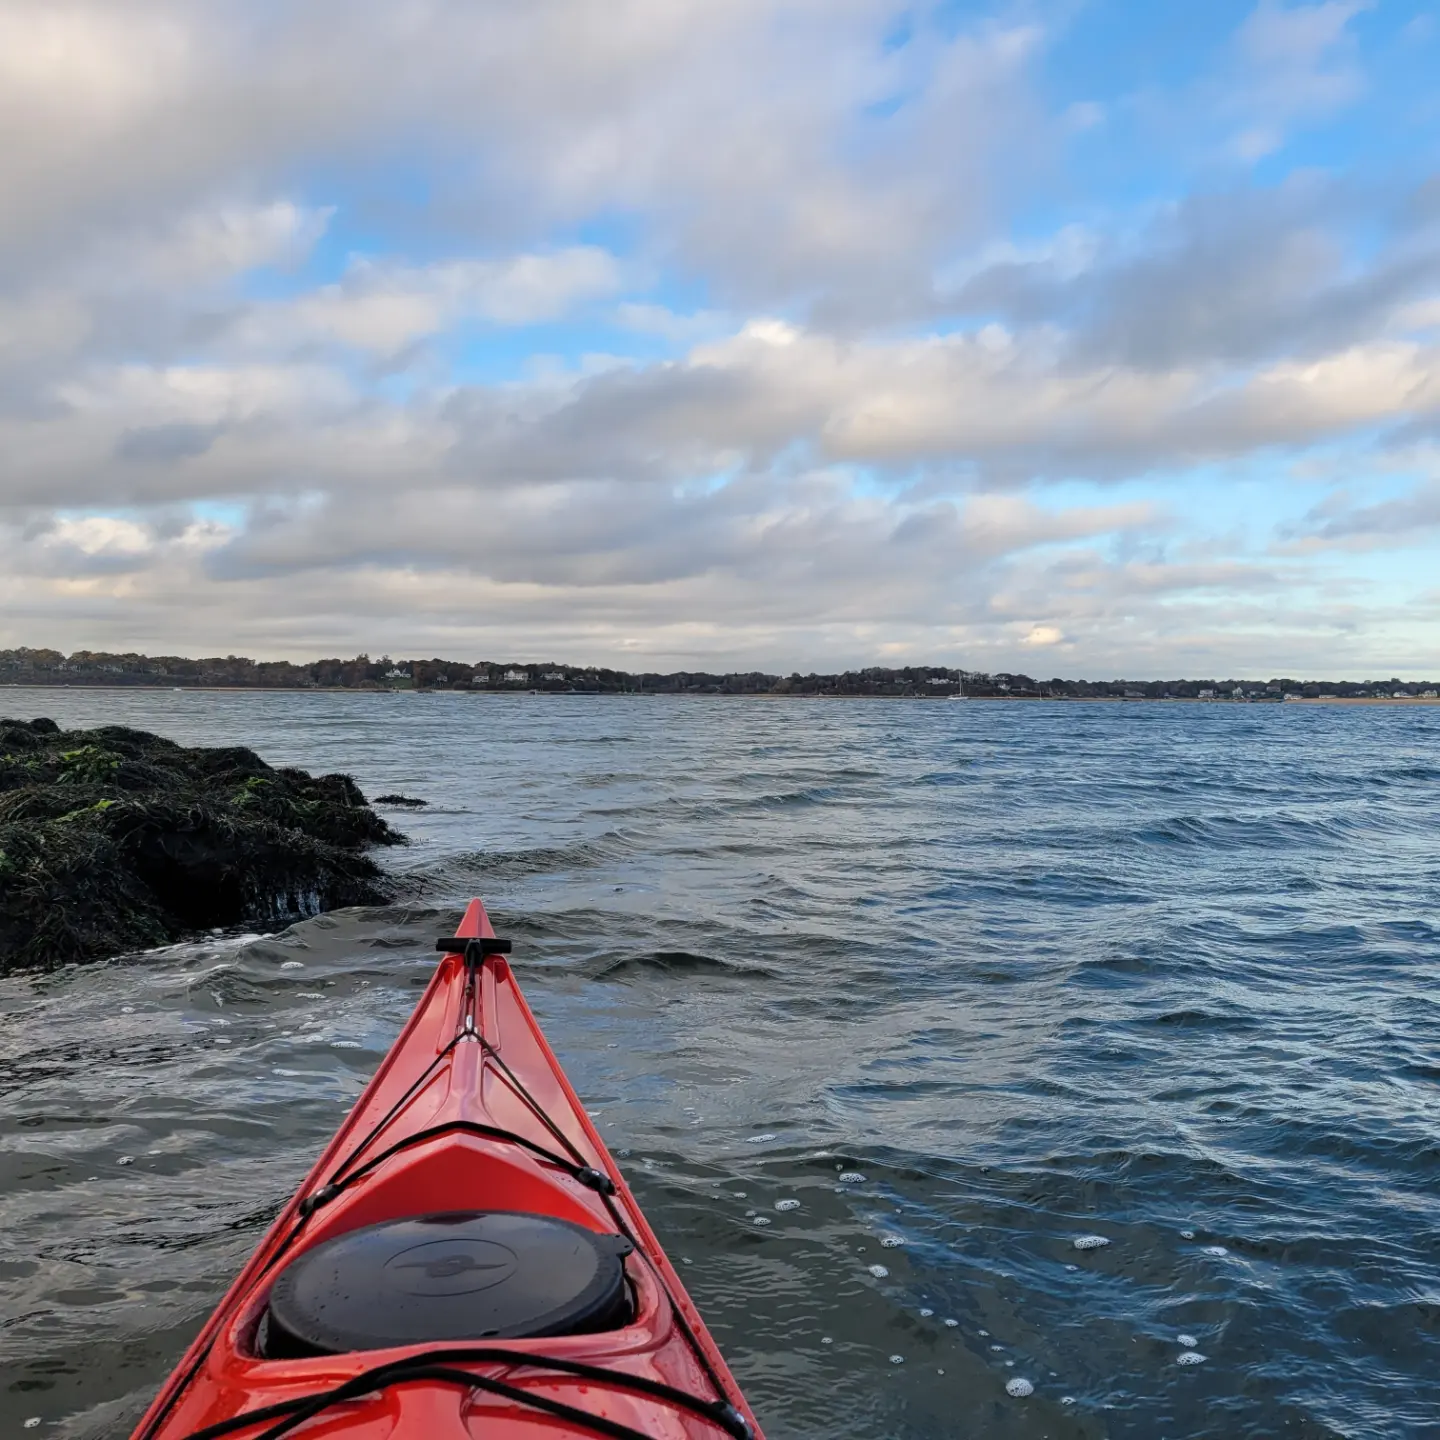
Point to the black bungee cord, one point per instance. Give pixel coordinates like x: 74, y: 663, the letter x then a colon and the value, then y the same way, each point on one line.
x: 289, y: 1414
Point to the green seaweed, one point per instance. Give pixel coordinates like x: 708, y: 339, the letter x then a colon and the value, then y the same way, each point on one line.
x: 113, y: 840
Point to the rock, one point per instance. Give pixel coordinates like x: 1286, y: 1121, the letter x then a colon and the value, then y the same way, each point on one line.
x: 409, y: 800
x: 114, y: 840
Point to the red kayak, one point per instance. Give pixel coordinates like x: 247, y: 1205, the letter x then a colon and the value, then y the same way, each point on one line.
x: 464, y: 1261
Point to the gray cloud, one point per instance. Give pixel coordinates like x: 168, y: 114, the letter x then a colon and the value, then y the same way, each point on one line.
x: 1229, y: 278
x: 815, y: 467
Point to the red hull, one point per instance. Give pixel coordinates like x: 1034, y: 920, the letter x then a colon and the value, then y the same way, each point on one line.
x: 438, y: 1077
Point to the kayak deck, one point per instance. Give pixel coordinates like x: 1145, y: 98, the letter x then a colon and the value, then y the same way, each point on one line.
x: 469, y: 1112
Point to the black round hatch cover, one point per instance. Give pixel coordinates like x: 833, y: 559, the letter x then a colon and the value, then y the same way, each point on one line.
x: 461, y: 1275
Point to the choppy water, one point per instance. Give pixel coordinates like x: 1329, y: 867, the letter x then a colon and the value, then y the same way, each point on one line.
x: 893, y: 1012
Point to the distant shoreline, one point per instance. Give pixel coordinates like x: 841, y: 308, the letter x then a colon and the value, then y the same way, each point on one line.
x: 1390, y: 700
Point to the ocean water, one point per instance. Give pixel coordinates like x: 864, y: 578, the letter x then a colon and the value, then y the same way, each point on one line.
x: 991, y: 1070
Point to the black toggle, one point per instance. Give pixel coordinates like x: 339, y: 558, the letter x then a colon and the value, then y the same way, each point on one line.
x: 734, y: 1421
x: 596, y: 1180
x: 460, y: 945
x: 323, y: 1196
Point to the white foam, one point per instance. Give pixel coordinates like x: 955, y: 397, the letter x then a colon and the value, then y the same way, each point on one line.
x: 1190, y: 1357
x: 345, y: 1045
x: 891, y: 1242
x: 292, y: 964
x: 952, y: 1323
x: 1090, y: 1242
x: 851, y: 1177
x: 32, y: 1422
x: 1188, y: 1341
x: 760, y: 1220
x: 1019, y: 1388
x: 985, y: 1333
x: 127, y: 1009
x: 897, y: 1359
x: 826, y: 1340
x: 759, y: 1139
x: 878, y: 1271
x: 1187, y: 1234
x: 926, y: 1314
x: 997, y: 1347
x: 126, y: 1160
x: 784, y: 1205
x: 1215, y: 1250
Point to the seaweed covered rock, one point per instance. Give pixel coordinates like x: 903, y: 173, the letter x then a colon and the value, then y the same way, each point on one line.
x: 115, y: 840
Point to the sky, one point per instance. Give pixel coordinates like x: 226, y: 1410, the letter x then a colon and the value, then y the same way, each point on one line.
x: 1074, y: 337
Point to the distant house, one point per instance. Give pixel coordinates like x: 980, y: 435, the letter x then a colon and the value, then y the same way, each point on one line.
x: 1430, y: 695
x: 517, y: 676
x: 1207, y: 694
x: 397, y: 672
x: 554, y: 675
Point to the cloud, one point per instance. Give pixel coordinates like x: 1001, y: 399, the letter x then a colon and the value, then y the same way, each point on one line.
x: 1229, y: 277
x: 748, y: 328
x: 1297, y: 64
x: 382, y: 308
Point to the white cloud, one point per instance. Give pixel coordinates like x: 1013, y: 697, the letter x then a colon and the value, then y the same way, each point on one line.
x: 787, y: 204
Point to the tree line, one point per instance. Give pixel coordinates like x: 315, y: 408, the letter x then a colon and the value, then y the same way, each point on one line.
x: 25, y: 666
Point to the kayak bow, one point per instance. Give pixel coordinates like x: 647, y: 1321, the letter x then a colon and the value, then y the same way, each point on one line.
x: 464, y: 1260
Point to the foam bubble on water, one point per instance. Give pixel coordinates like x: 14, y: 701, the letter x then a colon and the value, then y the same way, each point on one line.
x: 897, y: 1359
x: 939, y: 1372
x: 759, y: 1139
x: 952, y: 1323
x: 1019, y: 1388
x: 826, y: 1340
x: 925, y: 1314
x: 1188, y: 1341
x: 761, y: 1220
x: 783, y: 1205
x: 309, y: 995
x: 997, y: 1347
x: 891, y: 1242
x: 985, y: 1333
x: 878, y: 1271
x: 292, y: 964
x: 851, y: 1177
x: 345, y: 1045
x: 126, y: 1160
x: 127, y: 1009
x: 1187, y: 1234
x: 1072, y: 1267
x: 1215, y: 1250
x: 32, y: 1422
x: 738, y: 1194
x: 1090, y: 1242
x: 1190, y: 1357
x: 1067, y: 1399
